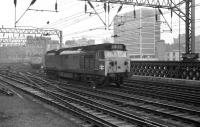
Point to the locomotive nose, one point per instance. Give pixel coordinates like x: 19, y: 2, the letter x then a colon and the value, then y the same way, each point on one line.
x: 126, y: 63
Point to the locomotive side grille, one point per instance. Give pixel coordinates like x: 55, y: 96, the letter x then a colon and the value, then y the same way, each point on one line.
x: 82, y: 62
x: 87, y: 62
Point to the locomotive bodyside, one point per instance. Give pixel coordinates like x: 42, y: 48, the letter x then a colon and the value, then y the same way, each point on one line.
x: 69, y: 64
x: 51, y: 63
x: 79, y: 65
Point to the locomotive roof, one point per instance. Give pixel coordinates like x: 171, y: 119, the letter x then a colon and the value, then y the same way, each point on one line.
x: 52, y: 51
x: 105, y: 46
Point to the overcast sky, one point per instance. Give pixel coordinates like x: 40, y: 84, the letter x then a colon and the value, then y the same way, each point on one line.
x: 72, y: 19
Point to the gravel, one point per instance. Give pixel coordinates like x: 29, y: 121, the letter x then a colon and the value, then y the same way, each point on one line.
x: 24, y: 112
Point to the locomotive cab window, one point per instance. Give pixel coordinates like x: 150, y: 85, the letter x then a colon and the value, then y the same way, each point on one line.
x: 51, y: 54
x: 117, y: 47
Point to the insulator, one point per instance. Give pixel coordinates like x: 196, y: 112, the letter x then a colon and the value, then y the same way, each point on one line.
x: 160, y: 11
x: 85, y: 7
x: 15, y: 3
x: 90, y: 4
x: 108, y: 8
x: 104, y: 6
x: 56, y: 6
x: 120, y: 8
x: 134, y: 12
x: 171, y: 13
x: 156, y: 16
x: 32, y: 2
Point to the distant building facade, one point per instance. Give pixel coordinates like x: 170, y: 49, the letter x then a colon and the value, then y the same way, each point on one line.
x: 33, y: 46
x: 175, y: 55
x: 39, y: 45
x: 139, y: 33
x: 160, y: 50
x: 79, y: 42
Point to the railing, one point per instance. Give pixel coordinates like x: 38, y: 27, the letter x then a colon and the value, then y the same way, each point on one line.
x: 168, y: 69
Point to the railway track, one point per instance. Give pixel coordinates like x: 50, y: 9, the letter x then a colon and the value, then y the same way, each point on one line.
x: 158, y: 91
x: 157, y: 111
x: 150, y: 106
x: 174, y: 87
x: 96, y: 113
x: 190, y: 98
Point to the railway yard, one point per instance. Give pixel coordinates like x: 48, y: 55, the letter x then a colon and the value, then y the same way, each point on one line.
x: 100, y: 63
x: 30, y: 98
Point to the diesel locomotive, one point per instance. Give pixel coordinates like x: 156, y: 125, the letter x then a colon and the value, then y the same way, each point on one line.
x: 101, y: 64
x: 36, y: 61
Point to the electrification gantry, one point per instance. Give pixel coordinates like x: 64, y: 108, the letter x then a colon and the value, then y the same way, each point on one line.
x: 187, y: 15
x: 40, y: 31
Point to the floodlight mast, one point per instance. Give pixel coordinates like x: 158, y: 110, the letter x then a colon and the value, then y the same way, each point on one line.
x: 188, y: 17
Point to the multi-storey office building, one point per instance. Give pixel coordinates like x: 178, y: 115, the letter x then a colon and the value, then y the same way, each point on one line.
x: 138, y: 32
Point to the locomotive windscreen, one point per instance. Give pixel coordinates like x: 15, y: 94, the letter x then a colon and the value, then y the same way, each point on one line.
x: 118, y: 47
x: 109, y: 54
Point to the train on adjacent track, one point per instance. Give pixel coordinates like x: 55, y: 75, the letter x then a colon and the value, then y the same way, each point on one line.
x: 35, y: 61
x: 100, y: 64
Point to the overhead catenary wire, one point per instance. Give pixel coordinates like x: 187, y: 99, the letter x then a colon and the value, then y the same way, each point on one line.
x: 32, y: 2
x: 80, y: 21
x: 67, y: 19
x: 31, y: 20
x: 79, y: 32
x: 78, y: 15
